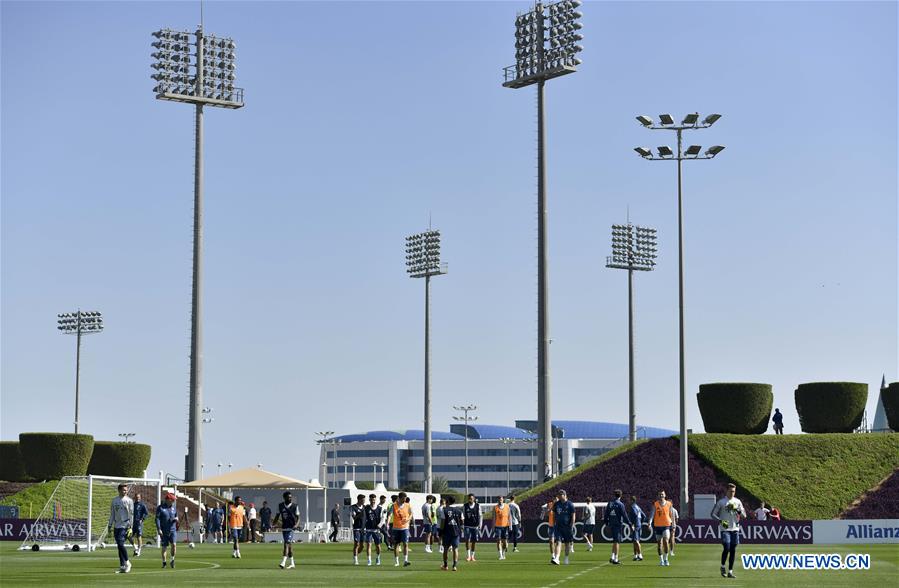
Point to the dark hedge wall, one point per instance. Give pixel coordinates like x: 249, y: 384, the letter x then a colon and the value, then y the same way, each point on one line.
x: 112, y: 458
x: 51, y: 456
x: 739, y: 408
x: 831, y: 407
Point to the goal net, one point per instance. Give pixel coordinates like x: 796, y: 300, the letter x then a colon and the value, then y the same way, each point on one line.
x: 76, y: 517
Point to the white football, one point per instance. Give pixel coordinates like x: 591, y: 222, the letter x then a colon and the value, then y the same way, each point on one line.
x: 102, y: 545
x: 67, y: 546
x: 191, y: 545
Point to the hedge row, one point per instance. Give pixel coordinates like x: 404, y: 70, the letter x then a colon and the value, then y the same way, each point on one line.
x: 12, y: 468
x: 128, y: 460
x: 890, y: 398
x: 739, y: 408
x: 51, y: 456
x: 831, y: 407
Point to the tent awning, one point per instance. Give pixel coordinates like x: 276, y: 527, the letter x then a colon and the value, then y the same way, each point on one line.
x: 249, y: 478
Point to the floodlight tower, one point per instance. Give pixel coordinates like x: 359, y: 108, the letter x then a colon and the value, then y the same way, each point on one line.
x: 633, y: 249
x: 689, y: 123
x: 195, y: 68
x: 79, y: 323
x: 423, y: 261
x: 546, y: 47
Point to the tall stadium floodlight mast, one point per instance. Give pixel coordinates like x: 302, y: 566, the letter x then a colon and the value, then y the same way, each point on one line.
x: 546, y: 46
x: 79, y: 323
x: 690, y: 122
x: 199, y: 69
x: 466, y: 418
x: 633, y: 249
x: 423, y: 261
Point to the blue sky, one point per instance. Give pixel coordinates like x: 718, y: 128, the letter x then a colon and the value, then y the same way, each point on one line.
x: 362, y: 120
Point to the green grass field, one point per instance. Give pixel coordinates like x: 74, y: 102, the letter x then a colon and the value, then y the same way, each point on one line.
x: 331, y: 565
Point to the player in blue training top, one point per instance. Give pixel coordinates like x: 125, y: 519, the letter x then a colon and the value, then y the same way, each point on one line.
x: 289, y: 513
x: 372, y: 515
x: 564, y: 518
x: 471, y: 518
x: 614, y: 519
x: 137, y: 531
x: 357, y: 515
x: 167, y: 525
x: 636, y: 517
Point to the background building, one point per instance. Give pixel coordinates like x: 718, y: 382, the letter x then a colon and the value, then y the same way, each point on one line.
x: 501, y: 458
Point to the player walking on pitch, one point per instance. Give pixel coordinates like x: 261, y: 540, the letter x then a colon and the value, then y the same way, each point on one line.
x: 589, y: 522
x: 471, y: 518
x: 372, y: 516
x: 289, y: 513
x: 636, y: 517
x: 614, y: 518
x: 357, y: 515
x: 661, y: 522
x: 137, y: 531
x: 121, y: 522
x: 728, y: 511
x: 236, y: 519
x: 451, y: 524
x: 501, y: 519
x: 515, y: 520
x: 399, y: 528
x: 167, y: 526
x: 564, y: 518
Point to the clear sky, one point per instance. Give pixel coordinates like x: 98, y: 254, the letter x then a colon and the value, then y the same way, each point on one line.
x: 364, y: 120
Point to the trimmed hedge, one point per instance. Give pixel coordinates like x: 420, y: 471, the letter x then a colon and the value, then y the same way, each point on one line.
x: 831, y: 407
x: 738, y: 408
x: 890, y: 397
x: 114, y: 458
x: 51, y: 456
x: 12, y: 468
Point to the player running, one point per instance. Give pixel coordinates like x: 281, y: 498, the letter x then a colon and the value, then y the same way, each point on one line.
x: 137, y: 531
x: 357, y: 515
x: 399, y: 529
x: 564, y: 518
x: 372, y: 516
x: 167, y: 526
x: 471, y: 519
x: 289, y: 513
x: 501, y: 519
x: 728, y: 511
x: 515, y: 522
x: 614, y: 519
x: 236, y: 518
x: 589, y: 522
x: 636, y: 517
x: 661, y: 523
x: 451, y: 524
x: 121, y: 523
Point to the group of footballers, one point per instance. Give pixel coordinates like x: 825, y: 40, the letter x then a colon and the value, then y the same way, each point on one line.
x: 377, y: 521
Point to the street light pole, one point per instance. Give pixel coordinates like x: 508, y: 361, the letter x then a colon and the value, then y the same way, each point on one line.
x: 466, y: 419
x: 633, y: 249
x: 666, y: 123
x: 202, y: 77
x: 539, y: 58
x: 79, y: 323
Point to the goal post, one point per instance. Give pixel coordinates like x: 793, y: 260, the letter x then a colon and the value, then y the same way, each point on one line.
x: 76, y: 516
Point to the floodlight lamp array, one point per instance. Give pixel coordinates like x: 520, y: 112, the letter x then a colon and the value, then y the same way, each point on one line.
x: 86, y: 322
x: 633, y: 247
x: 183, y: 58
x: 423, y: 254
x: 547, y: 38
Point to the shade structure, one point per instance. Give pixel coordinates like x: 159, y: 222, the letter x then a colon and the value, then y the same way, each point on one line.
x: 249, y: 478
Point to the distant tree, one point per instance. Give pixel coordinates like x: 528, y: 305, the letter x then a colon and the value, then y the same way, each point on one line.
x: 439, y: 485
x: 365, y: 485
x: 411, y: 487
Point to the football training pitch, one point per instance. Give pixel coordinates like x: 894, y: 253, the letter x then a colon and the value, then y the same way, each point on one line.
x: 331, y: 565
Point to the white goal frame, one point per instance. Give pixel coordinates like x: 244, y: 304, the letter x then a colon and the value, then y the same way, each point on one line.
x: 89, y: 544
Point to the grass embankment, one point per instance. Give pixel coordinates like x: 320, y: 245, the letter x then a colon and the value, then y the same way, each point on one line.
x: 32, y: 499
x: 812, y: 476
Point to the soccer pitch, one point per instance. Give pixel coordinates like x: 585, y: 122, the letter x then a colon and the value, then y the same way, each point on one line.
x: 331, y: 565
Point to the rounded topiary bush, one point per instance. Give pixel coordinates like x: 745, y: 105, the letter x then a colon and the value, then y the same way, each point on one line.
x: 12, y: 469
x: 51, y: 456
x: 831, y: 407
x: 112, y: 458
x: 890, y: 397
x: 740, y: 408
